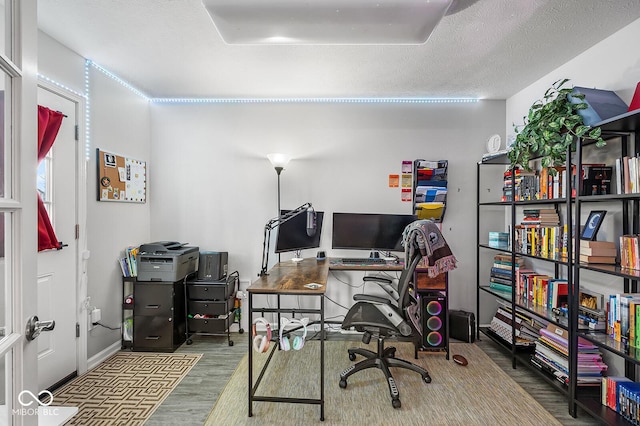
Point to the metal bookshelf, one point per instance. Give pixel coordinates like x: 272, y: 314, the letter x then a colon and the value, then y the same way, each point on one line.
x: 623, y: 128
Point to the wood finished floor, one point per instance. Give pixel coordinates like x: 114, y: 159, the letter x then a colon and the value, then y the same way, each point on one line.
x: 191, y: 401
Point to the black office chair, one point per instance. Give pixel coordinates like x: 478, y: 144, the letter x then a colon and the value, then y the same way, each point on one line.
x: 383, y: 317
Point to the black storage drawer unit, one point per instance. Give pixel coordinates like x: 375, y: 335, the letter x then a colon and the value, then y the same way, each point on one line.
x: 153, y: 299
x: 211, y: 290
x: 210, y: 325
x: 158, y: 316
x: 152, y: 332
x: 210, y: 307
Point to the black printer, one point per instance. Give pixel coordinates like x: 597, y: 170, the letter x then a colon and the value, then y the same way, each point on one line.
x: 166, y: 261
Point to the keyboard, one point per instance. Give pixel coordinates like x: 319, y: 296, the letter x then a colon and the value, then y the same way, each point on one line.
x: 363, y: 261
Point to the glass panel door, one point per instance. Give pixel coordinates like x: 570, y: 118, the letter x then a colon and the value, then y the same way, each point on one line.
x: 18, y: 137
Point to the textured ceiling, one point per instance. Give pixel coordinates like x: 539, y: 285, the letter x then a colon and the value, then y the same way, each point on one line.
x: 482, y: 48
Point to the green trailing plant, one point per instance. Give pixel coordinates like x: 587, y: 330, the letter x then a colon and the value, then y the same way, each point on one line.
x: 551, y: 127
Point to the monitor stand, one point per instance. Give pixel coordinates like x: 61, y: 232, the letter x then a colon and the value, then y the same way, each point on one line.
x: 297, y: 257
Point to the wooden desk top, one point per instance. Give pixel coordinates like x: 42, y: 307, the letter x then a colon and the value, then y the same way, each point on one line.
x: 336, y: 265
x: 290, y: 278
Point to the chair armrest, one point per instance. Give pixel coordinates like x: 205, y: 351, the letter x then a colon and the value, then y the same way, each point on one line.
x: 380, y: 279
x: 386, y: 284
x: 374, y: 299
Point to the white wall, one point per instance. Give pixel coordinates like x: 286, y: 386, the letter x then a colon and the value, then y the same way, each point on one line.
x: 214, y: 187
x: 119, y: 124
x: 612, y: 64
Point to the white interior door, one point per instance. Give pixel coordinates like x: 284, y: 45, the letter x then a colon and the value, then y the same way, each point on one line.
x: 57, y: 352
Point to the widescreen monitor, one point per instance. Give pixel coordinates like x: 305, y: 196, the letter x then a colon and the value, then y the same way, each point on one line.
x: 292, y: 234
x: 369, y: 231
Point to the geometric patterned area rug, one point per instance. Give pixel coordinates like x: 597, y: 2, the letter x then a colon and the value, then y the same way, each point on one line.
x: 476, y: 395
x: 125, y: 389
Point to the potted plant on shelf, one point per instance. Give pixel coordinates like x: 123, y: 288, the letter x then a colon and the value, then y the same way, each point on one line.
x: 551, y: 127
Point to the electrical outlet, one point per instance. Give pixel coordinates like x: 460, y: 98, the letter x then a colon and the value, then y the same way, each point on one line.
x: 96, y: 316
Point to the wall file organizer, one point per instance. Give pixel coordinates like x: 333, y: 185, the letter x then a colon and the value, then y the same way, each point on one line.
x: 121, y: 178
x: 430, y: 189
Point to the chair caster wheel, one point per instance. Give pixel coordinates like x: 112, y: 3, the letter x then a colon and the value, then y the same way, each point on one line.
x: 343, y: 383
x: 230, y: 342
x: 352, y: 357
x: 396, y: 403
x: 427, y: 379
x: 189, y: 341
x: 241, y: 331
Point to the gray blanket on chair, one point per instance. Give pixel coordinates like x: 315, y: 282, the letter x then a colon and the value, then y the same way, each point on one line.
x: 425, y: 236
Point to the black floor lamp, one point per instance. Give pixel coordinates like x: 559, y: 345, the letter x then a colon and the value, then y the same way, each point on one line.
x: 279, y: 161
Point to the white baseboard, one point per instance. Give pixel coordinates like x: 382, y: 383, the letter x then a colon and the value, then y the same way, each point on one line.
x: 98, y: 358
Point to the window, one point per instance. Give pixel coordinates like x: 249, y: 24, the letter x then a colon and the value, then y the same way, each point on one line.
x: 45, y: 183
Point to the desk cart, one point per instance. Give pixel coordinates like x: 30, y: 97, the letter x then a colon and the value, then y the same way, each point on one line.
x: 211, y: 307
x: 127, y: 312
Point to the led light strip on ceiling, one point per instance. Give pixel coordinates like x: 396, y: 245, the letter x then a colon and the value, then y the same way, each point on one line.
x: 416, y: 100
x: 89, y: 63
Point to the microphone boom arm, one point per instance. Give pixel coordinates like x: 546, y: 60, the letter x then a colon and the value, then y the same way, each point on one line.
x: 271, y: 225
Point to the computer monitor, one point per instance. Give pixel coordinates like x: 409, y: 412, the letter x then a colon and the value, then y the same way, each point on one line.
x: 369, y: 231
x: 292, y: 234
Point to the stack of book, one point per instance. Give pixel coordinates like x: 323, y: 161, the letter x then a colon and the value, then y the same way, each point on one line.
x: 502, y: 271
x: 499, y: 240
x: 553, y: 182
x: 524, y: 187
x: 541, y: 289
x: 623, y: 318
x: 628, y: 175
x: 598, y: 252
x: 539, y: 233
x: 527, y: 329
x: 128, y: 263
x: 511, y: 181
x: 552, y: 356
x: 630, y: 251
x: 542, y: 217
x: 622, y: 395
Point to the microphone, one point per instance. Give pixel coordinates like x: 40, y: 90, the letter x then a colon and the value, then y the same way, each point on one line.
x: 311, y: 221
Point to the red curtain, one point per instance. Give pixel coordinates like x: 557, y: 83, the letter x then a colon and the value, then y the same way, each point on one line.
x: 49, y: 123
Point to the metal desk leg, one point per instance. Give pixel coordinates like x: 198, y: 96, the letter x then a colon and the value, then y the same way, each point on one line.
x: 322, y: 337
x: 250, y: 353
x: 278, y: 324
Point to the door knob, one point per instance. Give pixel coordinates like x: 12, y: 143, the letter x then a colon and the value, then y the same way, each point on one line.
x: 35, y: 327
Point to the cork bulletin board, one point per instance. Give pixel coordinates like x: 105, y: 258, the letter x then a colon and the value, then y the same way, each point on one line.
x: 120, y: 178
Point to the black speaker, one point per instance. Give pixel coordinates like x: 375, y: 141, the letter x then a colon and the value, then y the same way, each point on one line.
x: 434, y: 321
